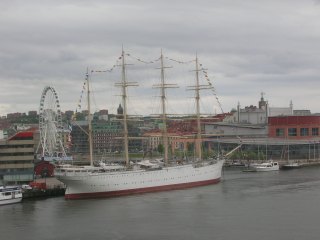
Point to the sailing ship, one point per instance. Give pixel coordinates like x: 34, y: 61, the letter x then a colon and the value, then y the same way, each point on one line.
x: 145, y: 176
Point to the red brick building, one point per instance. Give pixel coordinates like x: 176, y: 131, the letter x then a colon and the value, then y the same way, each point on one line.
x: 294, y: 127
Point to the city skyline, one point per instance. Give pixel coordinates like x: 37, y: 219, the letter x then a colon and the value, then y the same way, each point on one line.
x: 247, y: 47
x: 33, y: 112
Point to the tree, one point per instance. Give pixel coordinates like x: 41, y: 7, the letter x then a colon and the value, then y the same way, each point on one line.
x: 160, y: 148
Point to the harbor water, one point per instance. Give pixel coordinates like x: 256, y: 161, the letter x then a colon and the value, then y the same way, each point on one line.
x: 245, y: 205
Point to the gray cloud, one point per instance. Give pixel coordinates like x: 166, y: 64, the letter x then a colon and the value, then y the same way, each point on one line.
x: 248, y: 47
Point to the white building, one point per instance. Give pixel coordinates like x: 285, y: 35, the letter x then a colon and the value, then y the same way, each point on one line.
x: 257, y: 115
x: 281, y: 111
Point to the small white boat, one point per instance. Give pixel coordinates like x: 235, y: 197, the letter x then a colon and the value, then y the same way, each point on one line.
x: 267, y: 166
x: 10, y: 194
x: 290, y: 164
x: 293, y: 165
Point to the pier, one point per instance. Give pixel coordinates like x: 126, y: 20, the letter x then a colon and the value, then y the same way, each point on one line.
x: 303, y: 162
x: 44, y: 187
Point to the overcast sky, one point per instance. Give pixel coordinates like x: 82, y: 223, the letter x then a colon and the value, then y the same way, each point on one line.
x: 247, y: 47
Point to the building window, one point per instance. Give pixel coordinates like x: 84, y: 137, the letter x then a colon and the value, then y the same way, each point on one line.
x: 279, y: 132
x: 315, y: 131
x: 292, y: 132
x: 304, y: 131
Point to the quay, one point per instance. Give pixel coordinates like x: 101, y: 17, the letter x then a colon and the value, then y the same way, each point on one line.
x: 44, y: 187
x: 302, y: 162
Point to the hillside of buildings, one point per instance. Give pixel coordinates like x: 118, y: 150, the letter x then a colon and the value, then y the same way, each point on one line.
x: 265, y: 132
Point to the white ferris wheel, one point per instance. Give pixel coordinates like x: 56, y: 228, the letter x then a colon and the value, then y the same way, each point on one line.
x: 50, y: 125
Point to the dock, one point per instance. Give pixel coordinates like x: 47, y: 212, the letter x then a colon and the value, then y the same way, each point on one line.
x: 45, y: 187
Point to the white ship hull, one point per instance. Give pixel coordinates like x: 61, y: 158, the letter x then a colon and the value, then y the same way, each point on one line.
x: 118, y: 183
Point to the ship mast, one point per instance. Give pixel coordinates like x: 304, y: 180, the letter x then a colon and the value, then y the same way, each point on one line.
x: 163, y: 85
x: 89, y: 120
x: 124, y: 102
x: 197, y: 97
x: 164, y: 114
x: 197, y: 87
x: 124, y: 84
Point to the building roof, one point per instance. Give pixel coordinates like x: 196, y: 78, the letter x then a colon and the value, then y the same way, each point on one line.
x: 288, y: 120
x: 237, y: 125
x: 25, y: 135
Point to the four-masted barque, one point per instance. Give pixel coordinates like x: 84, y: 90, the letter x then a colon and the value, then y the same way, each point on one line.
x: 145, y: 176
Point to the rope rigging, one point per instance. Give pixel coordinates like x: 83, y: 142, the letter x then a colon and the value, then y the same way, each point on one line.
x: 140, y: 60
x: 212, y: 87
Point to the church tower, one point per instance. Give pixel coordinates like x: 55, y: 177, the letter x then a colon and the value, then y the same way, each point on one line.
x: 120, y: 111
x: 262, y: 102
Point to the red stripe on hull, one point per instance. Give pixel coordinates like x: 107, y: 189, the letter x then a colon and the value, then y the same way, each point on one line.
x: 140, y: 190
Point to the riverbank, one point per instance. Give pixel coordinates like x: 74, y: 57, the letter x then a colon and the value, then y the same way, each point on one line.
x: 302, y: 162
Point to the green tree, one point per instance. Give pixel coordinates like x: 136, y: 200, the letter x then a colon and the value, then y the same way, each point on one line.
x: 160, y: 148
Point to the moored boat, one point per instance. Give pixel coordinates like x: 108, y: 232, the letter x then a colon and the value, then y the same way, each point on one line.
x: 265, y: 167
x: 10, y: 194
x: 140, y: 179
x: 292, y: 165
x: 236, y: 163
